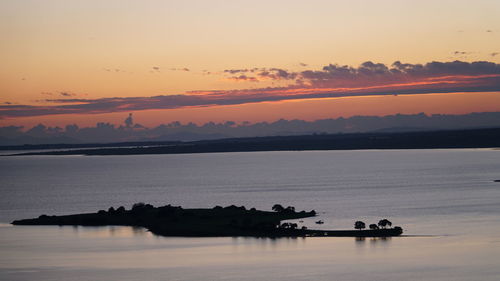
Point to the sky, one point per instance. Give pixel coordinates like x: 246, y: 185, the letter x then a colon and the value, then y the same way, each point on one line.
x: 88, y: 61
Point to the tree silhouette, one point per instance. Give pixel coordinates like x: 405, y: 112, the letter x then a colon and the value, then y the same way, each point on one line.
x: 359, y: 225
x: 384, y: 223
x: 138, y: 206
x: 278, y: 208
x: 373, y: 226
x: 289, y: 225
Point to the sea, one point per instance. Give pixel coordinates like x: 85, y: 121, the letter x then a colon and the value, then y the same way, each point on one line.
x: 446, y: 200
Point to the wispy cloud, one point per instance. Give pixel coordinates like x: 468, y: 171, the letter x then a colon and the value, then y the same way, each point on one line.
x: 243, y: 77
x: 112, y: 70
x: 66, y: 94
x: 368, y: 79
x: 237, y: 71
x: 260, y: 74
x: 181, y: 69
x: 277, y: 74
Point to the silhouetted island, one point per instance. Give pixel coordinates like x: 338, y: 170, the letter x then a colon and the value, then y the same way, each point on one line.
x: 216, y: 222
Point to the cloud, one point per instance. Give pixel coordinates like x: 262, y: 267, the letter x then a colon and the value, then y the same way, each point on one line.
x: 243, y: 70
x: 180, y: 69
x: 263, y: 73
x: 277, y: 74
x: 235, y: 71
x: 155, y: 68
x: 129, y: 131
x: 243, y: 77
x: 462, y: 53
x: 259, y: 74
x: 494, y: 54
x: 129, y: 121
x: 429, y: 76
x: 66, y: 94
x: 333, y: 81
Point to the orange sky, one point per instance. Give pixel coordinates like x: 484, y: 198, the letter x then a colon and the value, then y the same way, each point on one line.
x: 92, y: 50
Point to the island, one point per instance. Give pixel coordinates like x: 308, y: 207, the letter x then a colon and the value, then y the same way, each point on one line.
x: 219, y: 221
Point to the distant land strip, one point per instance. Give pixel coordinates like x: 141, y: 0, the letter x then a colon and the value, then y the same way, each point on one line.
x: 472, y: 138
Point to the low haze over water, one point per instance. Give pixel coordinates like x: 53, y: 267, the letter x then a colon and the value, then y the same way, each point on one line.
x: 446, y: 201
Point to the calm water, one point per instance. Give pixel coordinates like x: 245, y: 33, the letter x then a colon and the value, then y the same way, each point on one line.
x: 445, y: 199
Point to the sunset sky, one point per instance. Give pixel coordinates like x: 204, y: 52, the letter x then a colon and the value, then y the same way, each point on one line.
x: 94, y: 61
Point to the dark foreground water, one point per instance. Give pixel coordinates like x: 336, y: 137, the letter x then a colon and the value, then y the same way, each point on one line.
x: 445, y: 200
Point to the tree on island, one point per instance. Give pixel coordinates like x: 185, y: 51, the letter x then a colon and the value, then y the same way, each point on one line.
x: 384, y: 223
x: 373, y: 226
x: 359, y: 225
x: 289, y: 225
x: 141, y: 207
x: 278, y: 208
x: 138, y: 205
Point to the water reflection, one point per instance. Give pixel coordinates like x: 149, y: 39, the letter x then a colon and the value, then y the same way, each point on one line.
x: 373, y: 243
x: 383, y: 240
x: 265, y: 243
x: 362, y: 240
x: 127, y: 253
x: 108, y: 231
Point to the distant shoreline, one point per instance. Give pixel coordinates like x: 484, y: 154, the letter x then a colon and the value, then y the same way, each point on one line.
x: 473, y: 138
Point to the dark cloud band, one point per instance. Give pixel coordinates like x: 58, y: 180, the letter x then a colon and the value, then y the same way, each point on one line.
x: 332, y: 81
